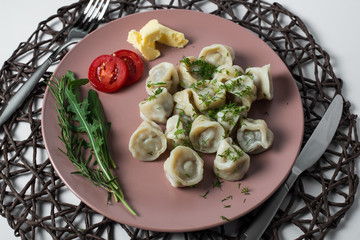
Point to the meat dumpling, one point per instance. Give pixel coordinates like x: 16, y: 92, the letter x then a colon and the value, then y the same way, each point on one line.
x: 157, y: 107
x: 184, y: 167
x: 241, y: 90
x: 177, y: 131
x: 218, y: 54
x: 263, y: 81
x: 206, y: 134
x: 186, y: 78
x: 231, y: 162
x: 162, y: 75
x: 184, y: 103
x: 208, y: 94
x: 229, y: 116
x: 226, y: 72
x: 254, y: 136
x: 147, y: 142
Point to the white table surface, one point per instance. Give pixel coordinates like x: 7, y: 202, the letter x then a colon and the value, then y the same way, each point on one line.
x: 334, y: 25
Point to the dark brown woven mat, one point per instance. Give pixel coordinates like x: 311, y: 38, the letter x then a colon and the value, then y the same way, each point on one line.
x: 39, y: 209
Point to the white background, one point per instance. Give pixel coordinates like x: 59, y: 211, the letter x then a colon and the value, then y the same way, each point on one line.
x: 334, y: 25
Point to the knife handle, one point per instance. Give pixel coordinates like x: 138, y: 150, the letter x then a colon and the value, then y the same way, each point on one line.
x: 19, y: 97
x: 268, y: 210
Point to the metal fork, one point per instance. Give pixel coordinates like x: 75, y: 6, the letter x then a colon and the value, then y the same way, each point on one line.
x: 87, y: 22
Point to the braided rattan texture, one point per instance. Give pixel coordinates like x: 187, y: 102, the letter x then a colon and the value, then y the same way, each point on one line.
x: 38, y: 209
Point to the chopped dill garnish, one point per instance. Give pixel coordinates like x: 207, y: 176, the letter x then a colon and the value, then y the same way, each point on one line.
x: 204, y: 195
x: 179, y: 131
x: 230, y: 154
x: 217, y: 183
x: 245, y: 190
x: 238, y: 87
x: 208, y: 92
x: 229, y: 111
x: 227, y: 198
x: 200, y: 67
x: 204, y: 141
x: 155, y: 93
x: 149, y: 84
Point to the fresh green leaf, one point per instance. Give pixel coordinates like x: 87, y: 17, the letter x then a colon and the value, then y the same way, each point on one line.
x: 75, y: 117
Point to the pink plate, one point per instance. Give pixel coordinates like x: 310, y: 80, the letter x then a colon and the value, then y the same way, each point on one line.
x: 161, y: 207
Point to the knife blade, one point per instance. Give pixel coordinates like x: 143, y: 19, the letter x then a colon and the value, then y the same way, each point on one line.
x: 309, y: 155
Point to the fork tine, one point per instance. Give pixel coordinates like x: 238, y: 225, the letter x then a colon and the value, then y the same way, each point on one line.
x: 102, y: 13
x: 98, y: 14
x: 84, y: 13
x: 92, y: 14
x: 87, y: 8
x: 93, y: 10
x: 100, y: 10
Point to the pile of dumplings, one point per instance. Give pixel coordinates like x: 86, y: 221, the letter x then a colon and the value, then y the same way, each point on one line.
x: 204, y: 116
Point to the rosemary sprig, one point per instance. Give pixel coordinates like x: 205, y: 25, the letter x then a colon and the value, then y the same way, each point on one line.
x: 76, y: 117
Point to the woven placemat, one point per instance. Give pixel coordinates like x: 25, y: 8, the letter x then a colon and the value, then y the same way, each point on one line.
x: 39, y: 209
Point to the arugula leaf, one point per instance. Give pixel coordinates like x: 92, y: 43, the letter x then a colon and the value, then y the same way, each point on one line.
x: 75, y: 117
x: 104, y: 128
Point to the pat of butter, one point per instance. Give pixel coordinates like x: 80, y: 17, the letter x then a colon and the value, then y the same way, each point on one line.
x: 148, y: 50
x: 152, y: 32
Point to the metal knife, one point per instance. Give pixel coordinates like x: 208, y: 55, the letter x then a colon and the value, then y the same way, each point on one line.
x: 312, y: 151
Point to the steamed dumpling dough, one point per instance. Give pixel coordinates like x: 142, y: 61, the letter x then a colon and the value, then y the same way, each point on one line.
x: 184, y: 167
x: 177, y: 131
x: 231, y: 162
x: 208, y: 94
x: 158, y: 107
x: 147, y: 142
x: 263, y: 81
x: 162, y: 75
x: 218, y: 54
x: 242, y: 90
x: 229, y: 116
x: 184, y: 103
x: 226, y: 72
x: 186, y: 78
x: 206, y: 134
x: 254, y: 136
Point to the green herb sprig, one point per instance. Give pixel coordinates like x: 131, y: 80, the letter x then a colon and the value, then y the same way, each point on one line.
x: 76, y: 117
x: 200, y: 67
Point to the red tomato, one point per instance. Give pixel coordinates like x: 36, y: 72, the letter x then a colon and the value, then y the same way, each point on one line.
x: 108, y: 73
x: 134, y: 63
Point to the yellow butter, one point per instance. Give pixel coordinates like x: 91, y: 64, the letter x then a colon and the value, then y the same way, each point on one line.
x: 147, y: 50
x: 153, y: 32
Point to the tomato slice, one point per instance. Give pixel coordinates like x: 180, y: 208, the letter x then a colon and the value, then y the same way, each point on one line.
x: 108, y: 73
x: 134, y: 63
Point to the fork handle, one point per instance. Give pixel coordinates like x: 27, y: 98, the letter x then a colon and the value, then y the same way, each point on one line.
x: 19, y: 97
